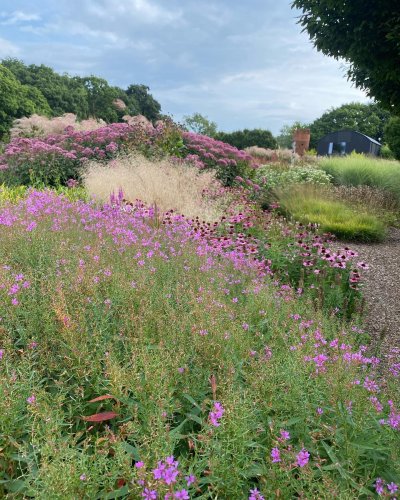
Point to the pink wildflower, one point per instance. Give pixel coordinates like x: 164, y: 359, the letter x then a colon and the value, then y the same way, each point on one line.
x: 302, y: 458
x: 275, y: 455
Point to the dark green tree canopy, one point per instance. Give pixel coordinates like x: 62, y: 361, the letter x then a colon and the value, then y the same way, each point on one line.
x: 392, y: 135
x: 364, y: 33
x: 86, y: 97
x: 146, y: 104
x: 63, y: 93
x: 100, y: 98
x: 17, y: 100
x: 369, y: 119
x: 246, y: 138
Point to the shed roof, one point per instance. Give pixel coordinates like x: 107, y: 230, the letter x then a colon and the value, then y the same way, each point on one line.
x: 355, y: 132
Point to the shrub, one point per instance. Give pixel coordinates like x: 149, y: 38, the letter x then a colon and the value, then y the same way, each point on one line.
x: 360, y: 170
x: 161, y: 183
x: 56, y: 158
x: 274, y: 175
x: 306, y: 205
x: 392, y: 135
x: 28, y: 161
x: 386, y: 153
x: 228, y: 161
x: 242, y: 139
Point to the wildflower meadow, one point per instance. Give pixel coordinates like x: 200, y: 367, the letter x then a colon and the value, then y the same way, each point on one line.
x: 147, y: 351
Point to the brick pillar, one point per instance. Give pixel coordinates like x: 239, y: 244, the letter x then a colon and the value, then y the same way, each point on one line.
x: 301, y: 138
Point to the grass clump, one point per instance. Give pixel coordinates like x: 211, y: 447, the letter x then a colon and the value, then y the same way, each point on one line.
x: 308, y: 205
x: 162, y: 183
x: 360, y: 170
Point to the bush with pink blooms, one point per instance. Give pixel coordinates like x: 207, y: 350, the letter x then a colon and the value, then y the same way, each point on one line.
x: 228, y: 161
x: 54, y: 159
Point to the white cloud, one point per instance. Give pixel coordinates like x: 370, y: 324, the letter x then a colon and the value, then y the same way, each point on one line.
x: 266, y: 98
x: 17, y: 17
x: 144, y: 11
x: 8, y: 49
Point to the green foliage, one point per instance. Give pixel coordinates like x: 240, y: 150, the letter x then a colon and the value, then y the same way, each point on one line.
x: 360, y: 170
x: 369, y: 119
x: 18, y: 100
x: 309, y: 206
x: 63, y: 93
x: 100, y: 98
x: 88, y: 96
x: 146, y: 104
x: 167, y: 142
x: 366, y: 35
x: 285, y: 137
x: 11, y: 194
x: 242, y: 139
x: 392, y: 136
x: 274, y: 175
x: 386, y: 153
x: 15, y: 194
x: 92, y: 322
x: 200, y: 124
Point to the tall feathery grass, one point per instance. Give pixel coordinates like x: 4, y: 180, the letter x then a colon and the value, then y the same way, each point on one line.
x: 360, y: 170
x: 41, y: 126
x: 168, y: 185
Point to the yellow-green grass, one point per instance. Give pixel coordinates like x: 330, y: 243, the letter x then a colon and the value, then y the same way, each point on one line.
x: 360, y: 170
x: 16, y: 193
x: 309, y: 205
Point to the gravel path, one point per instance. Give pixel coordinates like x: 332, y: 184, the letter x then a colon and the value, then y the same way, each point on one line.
x: 382, y: 291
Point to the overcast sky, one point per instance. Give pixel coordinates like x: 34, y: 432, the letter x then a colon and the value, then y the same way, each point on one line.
x: 242, y: 63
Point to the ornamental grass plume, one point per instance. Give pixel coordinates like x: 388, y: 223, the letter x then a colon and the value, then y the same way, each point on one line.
x: 160, y: 183
x: 42, y: 126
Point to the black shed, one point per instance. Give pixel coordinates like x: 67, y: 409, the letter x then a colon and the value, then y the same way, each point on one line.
x: 345, y: 141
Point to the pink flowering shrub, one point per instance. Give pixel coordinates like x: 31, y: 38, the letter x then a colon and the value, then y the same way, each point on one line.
x: 226, y: 160
x: 55, y: 158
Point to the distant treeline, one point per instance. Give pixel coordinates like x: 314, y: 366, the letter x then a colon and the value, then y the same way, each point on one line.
x: 25, y: 90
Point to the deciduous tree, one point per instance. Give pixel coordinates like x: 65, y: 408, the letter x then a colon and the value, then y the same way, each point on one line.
x: 200, y: 124
x: 365, y: 34
x: 245, y: 138
x: 369, y: 119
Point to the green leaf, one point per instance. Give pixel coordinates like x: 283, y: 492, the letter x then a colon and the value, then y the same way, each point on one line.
x: 191, y: 400
x: 175, y: 432
x: 121, y: 492
x: 195, y: 418
x: 131, y: 450
x: 15, y: 486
